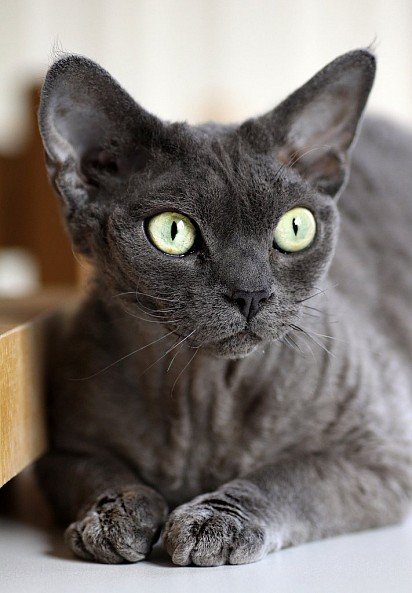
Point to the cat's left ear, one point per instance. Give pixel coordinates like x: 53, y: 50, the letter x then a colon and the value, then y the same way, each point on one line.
x: 94, y: 134
x: 96, y: 137
x: 314, y: 128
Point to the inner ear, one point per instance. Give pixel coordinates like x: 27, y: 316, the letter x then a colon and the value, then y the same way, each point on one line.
x: 95, y: 135
x: 320, y: 164
x: 314, y: 128
x: 98, y: 163
x: 99, y: 160
x: 323, y: 120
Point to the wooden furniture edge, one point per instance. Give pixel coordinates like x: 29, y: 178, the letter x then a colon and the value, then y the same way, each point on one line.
x: 22, y: 394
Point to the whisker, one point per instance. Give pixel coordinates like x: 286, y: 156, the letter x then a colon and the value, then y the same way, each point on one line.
x: 325, y: 314
x: 299, y: 314
x: 290, y: 343
x: 320, y: 291
x: 147, y: 311
x: 123, y: 293
x: 167, y: 352
x: 150, y: 320
x: 329, y: 287
x: 279, y: 171
x: 296, y: 155
x: 79, y: 261
x: 134, y: 292
x: 124, y: 358
x: 326, y: 336
x: 151, y: 296
x: 153, y: 311
x: 174, y: 357
x: 300, y: 329
x: 295, y: 158
x: 309, y: 315
x: 308, y: 345
x: 313, y: 308
x: 317, y: 334
x: 182, y: 371
x: 295, y: 344
x: 308, y: 151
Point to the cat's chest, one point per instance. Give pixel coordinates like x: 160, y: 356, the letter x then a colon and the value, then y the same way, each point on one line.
x: 208, y: 427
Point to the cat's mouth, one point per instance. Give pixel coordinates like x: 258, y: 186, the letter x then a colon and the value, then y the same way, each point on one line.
x: 237, y: 345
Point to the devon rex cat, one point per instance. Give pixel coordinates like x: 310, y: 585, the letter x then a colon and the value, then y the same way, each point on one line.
x: 212, y: 369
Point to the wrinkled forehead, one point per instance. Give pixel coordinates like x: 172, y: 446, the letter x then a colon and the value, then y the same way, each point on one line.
x: 224, y: 189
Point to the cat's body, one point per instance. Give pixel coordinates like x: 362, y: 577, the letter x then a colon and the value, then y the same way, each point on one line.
x: 319, y: 433
x: 374, y: 256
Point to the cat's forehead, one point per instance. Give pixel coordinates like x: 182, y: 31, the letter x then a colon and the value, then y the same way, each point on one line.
x: 219, y: 180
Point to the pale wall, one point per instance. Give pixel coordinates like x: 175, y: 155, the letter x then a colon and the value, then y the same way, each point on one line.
x: 199, y: 59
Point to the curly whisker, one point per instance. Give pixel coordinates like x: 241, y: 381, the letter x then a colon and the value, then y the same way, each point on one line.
x: 310, y: 336
x: 183, y: 369
x: 109, y: 366
x: 167, y: 351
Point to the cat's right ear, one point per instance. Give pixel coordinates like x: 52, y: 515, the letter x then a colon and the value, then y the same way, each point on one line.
x: 95, y: 135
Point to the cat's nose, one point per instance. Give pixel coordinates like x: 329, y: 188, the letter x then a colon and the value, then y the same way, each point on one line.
x: 248, y: 302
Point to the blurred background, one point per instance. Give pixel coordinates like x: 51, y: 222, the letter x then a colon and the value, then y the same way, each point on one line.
x: 181, y: 59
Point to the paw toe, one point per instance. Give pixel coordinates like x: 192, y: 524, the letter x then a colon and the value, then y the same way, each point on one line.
x: 75, y: 542
x: 87, y: 541
x: 248, y: 547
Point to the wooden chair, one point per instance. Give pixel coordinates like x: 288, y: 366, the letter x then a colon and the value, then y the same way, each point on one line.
x: 29, y: 218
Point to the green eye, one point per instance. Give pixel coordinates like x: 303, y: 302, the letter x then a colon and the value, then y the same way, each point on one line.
x: 295, y: 230
x: 172, y: 233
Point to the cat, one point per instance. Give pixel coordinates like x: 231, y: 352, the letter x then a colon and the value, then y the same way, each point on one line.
x: 219, y: 386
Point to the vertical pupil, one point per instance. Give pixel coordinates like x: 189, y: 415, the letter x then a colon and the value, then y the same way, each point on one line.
x: 173, y: 230
x: 295, y: 227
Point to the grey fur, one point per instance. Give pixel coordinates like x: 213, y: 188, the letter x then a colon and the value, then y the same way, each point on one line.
x: 295, y: 429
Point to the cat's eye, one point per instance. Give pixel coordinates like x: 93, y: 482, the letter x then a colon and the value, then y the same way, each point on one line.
x: 295, y: 230
x: 171, y: 232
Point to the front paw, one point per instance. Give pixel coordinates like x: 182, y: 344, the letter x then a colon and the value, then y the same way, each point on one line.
x: 119, y: 526
x: 214, y: 529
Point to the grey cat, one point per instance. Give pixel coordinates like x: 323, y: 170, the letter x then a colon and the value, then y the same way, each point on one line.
x: 215, y: 387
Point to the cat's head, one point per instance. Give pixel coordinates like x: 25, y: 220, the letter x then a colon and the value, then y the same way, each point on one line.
x: 216, y: 232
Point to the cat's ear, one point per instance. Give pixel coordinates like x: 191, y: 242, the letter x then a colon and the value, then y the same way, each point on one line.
x: 95, y: 135
x: 314, y: 128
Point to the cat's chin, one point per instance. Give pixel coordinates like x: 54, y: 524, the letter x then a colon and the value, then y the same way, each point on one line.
x: 236, y: 346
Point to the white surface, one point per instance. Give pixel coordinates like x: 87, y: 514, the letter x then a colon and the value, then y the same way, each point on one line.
x: 36, y: 561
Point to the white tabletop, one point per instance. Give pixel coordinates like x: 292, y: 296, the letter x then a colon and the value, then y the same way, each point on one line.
x: 34, y: 559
